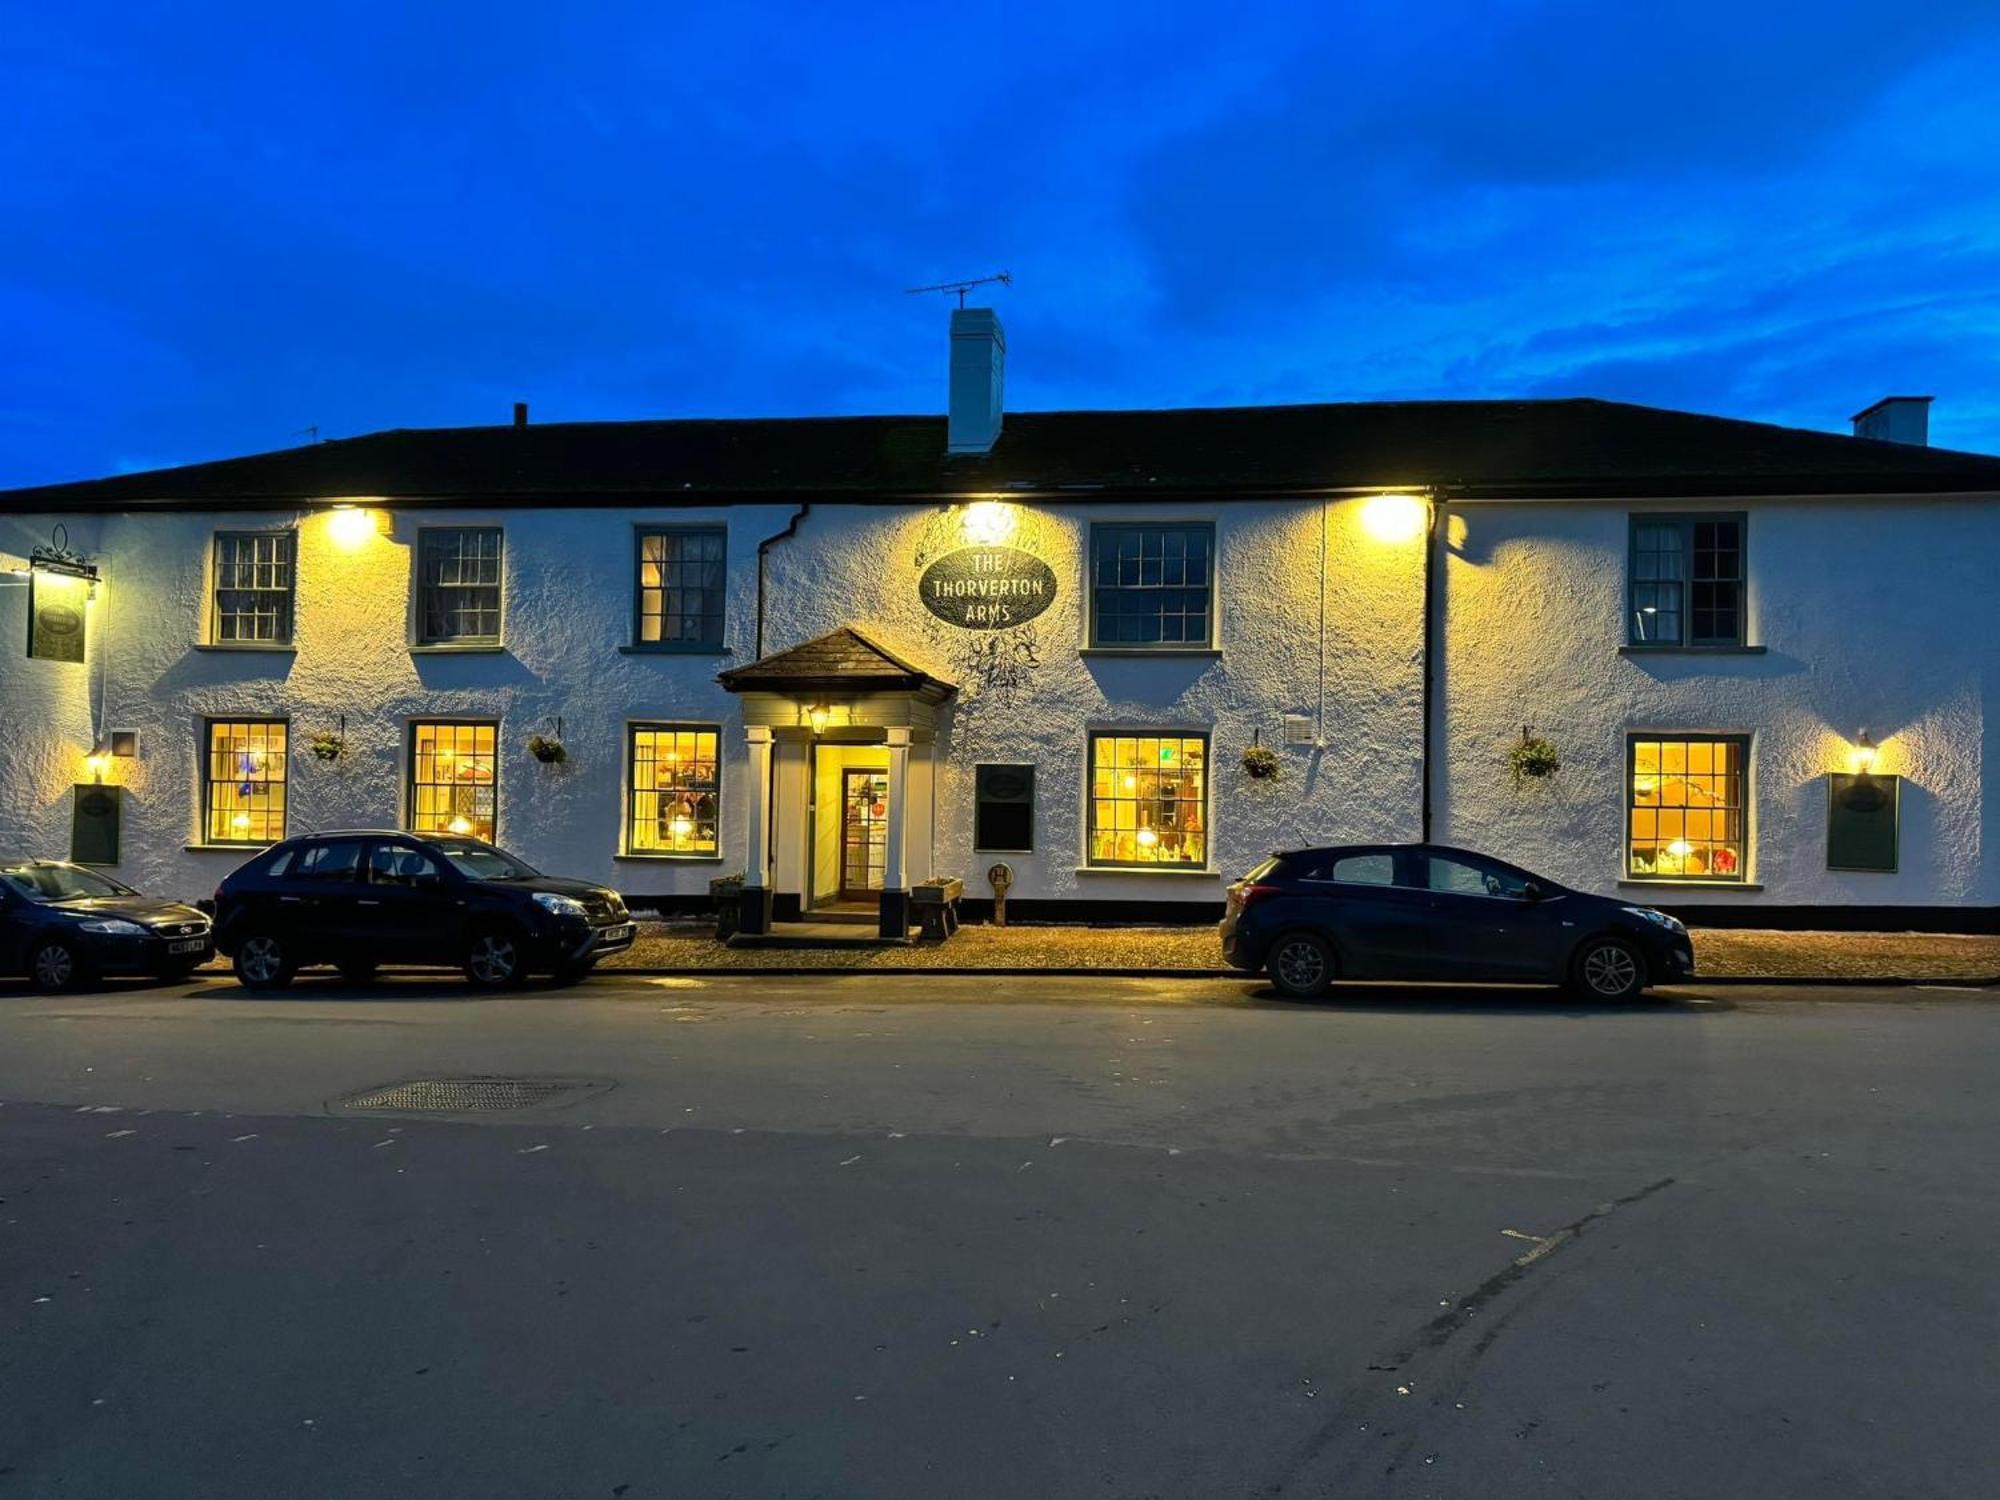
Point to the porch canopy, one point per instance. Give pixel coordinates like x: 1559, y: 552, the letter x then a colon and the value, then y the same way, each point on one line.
x: 839, y: 687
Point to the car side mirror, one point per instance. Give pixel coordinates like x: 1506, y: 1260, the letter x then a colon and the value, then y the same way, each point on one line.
x: 1532, y: 891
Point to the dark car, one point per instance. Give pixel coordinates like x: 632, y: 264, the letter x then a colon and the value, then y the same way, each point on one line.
x: 63, y: 925
x: 1426, y: 912
x: 357, y: 900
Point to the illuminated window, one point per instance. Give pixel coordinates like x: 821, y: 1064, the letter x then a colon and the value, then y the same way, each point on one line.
x: 252, y: 601
x: 1151, y: 585
x: 676, y: 791
x: 243, y: 782
x: 681, y: 589
x: 458, y: 586
x: 454, y: 783
x: 1686, y: 581
x: 1149, y: 800
x: 1686, y: 808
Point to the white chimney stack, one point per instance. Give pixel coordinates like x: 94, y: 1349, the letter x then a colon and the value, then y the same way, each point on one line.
x: 1896, y: 419
x: 978, y: 368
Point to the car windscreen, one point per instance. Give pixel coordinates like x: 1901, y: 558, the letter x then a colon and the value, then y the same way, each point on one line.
x: 482, y: 861
x: 48, y: 882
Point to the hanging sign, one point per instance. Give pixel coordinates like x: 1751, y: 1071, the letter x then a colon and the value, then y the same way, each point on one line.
x: 987, y: 588
x: 56, y: 615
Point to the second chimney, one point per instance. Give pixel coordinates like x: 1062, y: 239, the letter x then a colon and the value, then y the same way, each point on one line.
x: 978, y: 368
x: 1896, y: 419
x: 520, y: 414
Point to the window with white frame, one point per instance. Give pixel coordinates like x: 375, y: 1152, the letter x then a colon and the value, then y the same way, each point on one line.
x: 252, y: 582
x: 1148, y: 800
x: 454, y: 778
x: 458, y: 585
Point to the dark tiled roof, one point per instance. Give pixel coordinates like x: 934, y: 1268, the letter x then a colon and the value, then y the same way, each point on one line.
x: 844, y: 660
x: 1494, y: 449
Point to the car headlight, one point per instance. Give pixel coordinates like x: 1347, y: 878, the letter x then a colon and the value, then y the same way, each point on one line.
x: 116, y: 926
x: 1657, y: 918
x: 560, y: 906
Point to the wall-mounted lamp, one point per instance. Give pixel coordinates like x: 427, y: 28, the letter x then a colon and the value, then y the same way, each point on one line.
x: 97, y: 763
x: 817, y: 716
x: 989, y: 523
x: 1394, y: 518
x: 349, y: 525
x: 1862, y: 758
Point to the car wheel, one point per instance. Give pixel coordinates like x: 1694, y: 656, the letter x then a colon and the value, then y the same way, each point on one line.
x: 55, y: 966
x: 264, y: 962
x: 1300, y: 965
x: 358, y: 971
x: 1607, y: 969
x: 493, y: 959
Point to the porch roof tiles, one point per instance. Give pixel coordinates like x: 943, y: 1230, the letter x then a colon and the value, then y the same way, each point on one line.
x: 842, y: 660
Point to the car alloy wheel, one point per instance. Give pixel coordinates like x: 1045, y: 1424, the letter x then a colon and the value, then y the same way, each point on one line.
x: 54, y: 966
x: 1300, y: 965
x: 1611, y: 971
x: 261, y: 960
x: 493, y: 959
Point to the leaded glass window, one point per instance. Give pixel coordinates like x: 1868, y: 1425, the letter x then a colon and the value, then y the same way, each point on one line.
x: 1687, y: 807
x: 1149, y: 800
x: 243, y: 782
x: 676, y: 805
x: 454, y: 778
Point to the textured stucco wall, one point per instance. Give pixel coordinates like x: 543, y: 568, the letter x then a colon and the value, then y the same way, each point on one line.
x: 1875, y: 615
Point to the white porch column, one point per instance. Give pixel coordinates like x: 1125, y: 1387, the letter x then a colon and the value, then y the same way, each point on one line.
x: 757, y: 860
x: 894, y: 864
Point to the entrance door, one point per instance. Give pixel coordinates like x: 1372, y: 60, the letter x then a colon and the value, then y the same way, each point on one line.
x: 864, y: 832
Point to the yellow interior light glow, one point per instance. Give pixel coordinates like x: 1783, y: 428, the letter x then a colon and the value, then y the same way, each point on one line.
x: 1680, y: 848
x: 988, y: 523
x: 459, y: 825
x: 1393, y: 518
x: 1147, y: 838
x: 818, y: 714
x: 241, y: 820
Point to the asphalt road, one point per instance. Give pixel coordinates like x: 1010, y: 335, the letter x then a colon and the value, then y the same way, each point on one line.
x: 857, y: 1236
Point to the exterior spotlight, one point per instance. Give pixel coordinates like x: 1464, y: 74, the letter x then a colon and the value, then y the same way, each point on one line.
x: 349, y: 526
x: 817, y: 716
x: 97, y: 763
x: 1863, y: 755
x: 988, y: 523
x: 1394, y: 518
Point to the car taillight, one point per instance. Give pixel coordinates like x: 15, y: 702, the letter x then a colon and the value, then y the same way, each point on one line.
x: 1247, y: 895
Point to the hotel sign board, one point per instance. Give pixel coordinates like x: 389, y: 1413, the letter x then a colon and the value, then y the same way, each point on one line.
x: 56, y: 615
x: 987, y: 588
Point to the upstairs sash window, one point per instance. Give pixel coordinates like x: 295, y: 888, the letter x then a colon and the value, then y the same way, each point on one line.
x: 458, y: 586
x: 1686, y: 581
x: 1152, y: 586
x: 253, y: 584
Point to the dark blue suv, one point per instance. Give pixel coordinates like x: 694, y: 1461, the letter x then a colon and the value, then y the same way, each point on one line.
x: 1426, y: 912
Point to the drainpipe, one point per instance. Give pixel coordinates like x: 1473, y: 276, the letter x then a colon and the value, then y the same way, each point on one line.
x: 1433, y: 516
x: 791, y: 530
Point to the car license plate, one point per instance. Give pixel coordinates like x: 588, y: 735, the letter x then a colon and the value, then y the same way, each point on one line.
x: 619, y: 934
x: 189, y: 945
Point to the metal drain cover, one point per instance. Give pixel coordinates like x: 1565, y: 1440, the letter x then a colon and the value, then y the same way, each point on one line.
x: 472, y: 1096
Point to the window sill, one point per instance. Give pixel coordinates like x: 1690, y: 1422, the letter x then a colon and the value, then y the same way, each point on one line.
x: 1638, y: 884
x: 268, y: 648
x: 227, y: 848
x: 1630, y: 650
x: 673, y: 859
x: 675, y: 651
x: 1149, y: 871
x: 1181, y: 651
x: 450, y: 648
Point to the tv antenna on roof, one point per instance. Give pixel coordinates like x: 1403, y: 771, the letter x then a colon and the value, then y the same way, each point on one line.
x: 1005, y: 278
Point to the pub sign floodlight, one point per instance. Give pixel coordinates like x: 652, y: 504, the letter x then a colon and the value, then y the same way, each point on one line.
x: 60, y: 586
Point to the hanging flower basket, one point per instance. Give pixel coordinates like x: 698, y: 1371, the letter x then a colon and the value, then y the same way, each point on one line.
x: 546, y: 749
x: 328, y: 746
x: 1260, y: 762
x: 1534, y: 759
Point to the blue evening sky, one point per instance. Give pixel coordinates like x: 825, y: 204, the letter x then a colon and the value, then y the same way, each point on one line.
x: 223, y: 223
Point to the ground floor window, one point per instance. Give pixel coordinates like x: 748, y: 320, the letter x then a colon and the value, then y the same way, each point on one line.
x: 1149, y: 799
x: 1686, y: 807
x: 243, y: 782
x: 454, y: 778
x: 676, y: 779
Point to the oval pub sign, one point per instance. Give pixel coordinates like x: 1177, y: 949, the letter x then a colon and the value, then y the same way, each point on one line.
x: 987, y: 588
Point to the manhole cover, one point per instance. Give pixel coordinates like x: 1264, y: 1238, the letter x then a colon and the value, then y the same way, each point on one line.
x: 471, y: 1096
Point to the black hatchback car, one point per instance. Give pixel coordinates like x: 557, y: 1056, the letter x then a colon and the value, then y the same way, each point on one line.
x: 1427, y: 912
x: 360, y: 899
x: 63, y: 925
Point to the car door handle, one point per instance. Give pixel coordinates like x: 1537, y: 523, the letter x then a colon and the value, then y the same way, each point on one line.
x: 364, y: 901
x: 290, y: 900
